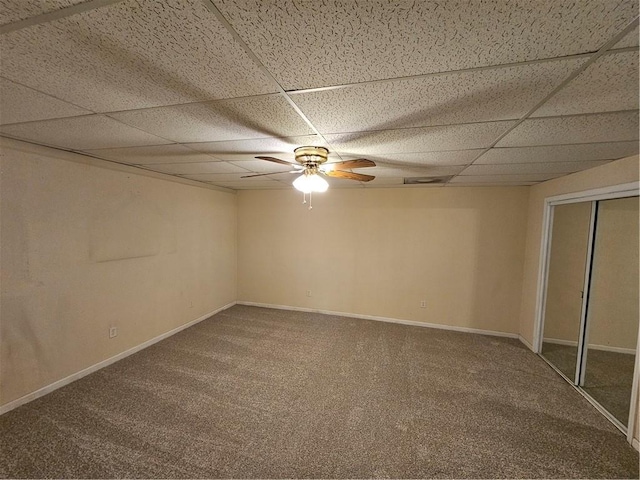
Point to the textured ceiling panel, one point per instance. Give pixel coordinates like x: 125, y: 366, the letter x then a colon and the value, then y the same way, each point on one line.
x: 236, y: 119
x: 387, y: 182
x: 393, y: 171
x: 22, y: 104
x: 168, y: 71
x: 310, y: 44
x: 492, y: 94
x: 606, y: 127
x: 133, y: 54
x: 629, y: 40
x: 264, y: 184
x: 154, y: 154
x: 489, y: 184
x: 231, y: 177
x: 424, y: 139
x: 609, y: 84
x: 194, y: 168
x: 510, y: 179
x: 559, y: 153
x: 248, y: 149
x: 461, y: 157
x: 14, y: 10
x: 262, y: 166
x: 81, y: 133
x: 333, y: 183
x: 525, y: 168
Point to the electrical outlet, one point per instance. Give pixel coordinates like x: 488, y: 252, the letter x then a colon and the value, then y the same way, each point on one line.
x: 423, y: 304
x: 308, y: 293
x: 113, y: 332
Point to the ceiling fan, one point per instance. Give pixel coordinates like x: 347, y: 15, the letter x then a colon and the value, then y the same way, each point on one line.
x: 312, y: 165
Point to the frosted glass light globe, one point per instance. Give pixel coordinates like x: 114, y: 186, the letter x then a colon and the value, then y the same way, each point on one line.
x: 310, y: 183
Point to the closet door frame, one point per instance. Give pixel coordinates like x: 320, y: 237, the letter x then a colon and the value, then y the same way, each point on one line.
x: 605, y: 193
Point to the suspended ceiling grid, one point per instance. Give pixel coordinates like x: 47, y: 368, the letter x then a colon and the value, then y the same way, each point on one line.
x: 496, y: 92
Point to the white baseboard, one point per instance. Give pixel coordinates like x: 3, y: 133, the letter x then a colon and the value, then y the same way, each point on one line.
x: 526, y: 343
x: 383, y: 319
x: 559, y: 341
x: 609, y: 348
x: 93, y: 368
x: 635, y: 444
x: 604, y: 348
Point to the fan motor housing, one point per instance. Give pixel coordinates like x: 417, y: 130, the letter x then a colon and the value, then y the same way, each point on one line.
x: 311, y: 156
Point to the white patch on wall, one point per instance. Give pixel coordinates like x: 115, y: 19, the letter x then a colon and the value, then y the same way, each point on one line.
x: 132, y: 229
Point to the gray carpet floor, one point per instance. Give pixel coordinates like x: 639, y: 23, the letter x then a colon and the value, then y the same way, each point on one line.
x: 608, y: 379
x: 254, y: 392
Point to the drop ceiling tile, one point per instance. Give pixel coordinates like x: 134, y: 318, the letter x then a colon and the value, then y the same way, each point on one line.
x: 533, y: 168
x: 235, y: 119
x: 267, y: 185
x: 393, y: 171
x: 228, y: 177
x: 195, y: 168
x: 384, y: 181
x: 133, y: 54
x: 241, y: 150
x: 172, y: 153
x: 287, y: 180
x: 23, y: 104
x: 609, y: 84
x: 606, y: 127
x: 490, y: 184
x: 15, y: 10
x: 629, y: 40
x: 492, y: 94
x: 511, y: 179
x: 81, y: 133
x: 311, y: 44
x: 343, y: 183
x: 459, y: 157
x: 262, y: 166
x: 559, y: 153
x: 423, y: 139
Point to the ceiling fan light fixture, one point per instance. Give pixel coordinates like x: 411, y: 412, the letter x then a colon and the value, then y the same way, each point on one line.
x: 309, y: 183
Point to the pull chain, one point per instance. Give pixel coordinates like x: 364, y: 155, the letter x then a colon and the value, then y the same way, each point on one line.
x: 304, y: 199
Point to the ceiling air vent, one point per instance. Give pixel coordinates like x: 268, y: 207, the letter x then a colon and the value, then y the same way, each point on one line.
x: 426, y: 180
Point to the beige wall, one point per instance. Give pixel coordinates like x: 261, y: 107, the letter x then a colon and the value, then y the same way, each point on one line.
x: 381, y: 251
x: 84, y: 248
x: 570, y: 237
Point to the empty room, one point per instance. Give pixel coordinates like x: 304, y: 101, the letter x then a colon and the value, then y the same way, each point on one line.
x: 319, y: 239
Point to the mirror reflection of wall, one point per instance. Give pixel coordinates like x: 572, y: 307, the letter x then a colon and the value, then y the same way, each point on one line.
x: 595, y: 247
x: 613, y: 311
x: 569, y: 241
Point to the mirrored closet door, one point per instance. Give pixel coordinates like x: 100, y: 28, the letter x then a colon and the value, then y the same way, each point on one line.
x: 590, y: 324
x: 565, y: 285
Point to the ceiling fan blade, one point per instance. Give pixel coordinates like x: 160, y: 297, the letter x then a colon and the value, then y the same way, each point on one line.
x: 349, y: 175
x: 270, y: 173
x: 349, y: 164
x: 276, y: 160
